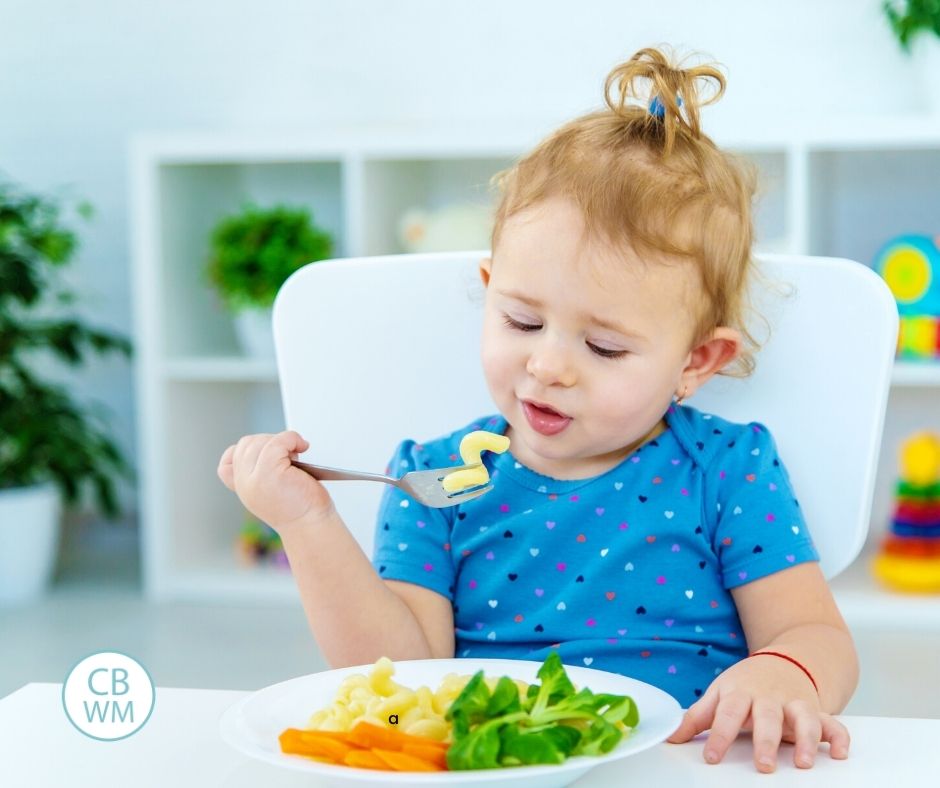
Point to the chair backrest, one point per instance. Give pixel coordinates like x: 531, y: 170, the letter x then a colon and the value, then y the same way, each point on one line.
x: 377, y: 349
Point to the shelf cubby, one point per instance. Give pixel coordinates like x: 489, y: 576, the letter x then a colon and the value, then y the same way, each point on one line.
x: 193, y: 198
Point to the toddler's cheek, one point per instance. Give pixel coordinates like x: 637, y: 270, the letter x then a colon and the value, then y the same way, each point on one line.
x: 497, y: 366
x: 627, y: 414
x: 622, y: 405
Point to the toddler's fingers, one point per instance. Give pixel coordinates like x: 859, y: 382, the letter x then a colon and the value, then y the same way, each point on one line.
x: 225, y: 471
x: 246, y: 452
x: 767, y: 727
x: 837, y: 735
x: 807, y: 731
x: 284, y: 444
x: 697, y: 718
x: 730, y: 714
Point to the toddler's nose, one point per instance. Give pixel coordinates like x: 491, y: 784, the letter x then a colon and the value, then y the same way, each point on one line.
x: 550, y: 363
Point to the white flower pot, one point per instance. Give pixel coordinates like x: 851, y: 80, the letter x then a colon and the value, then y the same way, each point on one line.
x: 255, y: 332
x: 925, y: 49
x: 29, y: 539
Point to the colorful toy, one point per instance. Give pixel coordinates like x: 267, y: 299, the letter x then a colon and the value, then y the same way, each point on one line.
x: 919, y: 337
x: 909, y: 559
x: 258, y: 543
x: 910, y: 264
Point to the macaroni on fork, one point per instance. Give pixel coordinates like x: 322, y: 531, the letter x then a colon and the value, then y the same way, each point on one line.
x: 472, y: 446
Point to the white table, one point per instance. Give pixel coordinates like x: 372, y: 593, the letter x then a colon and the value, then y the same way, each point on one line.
x: 180, y: 746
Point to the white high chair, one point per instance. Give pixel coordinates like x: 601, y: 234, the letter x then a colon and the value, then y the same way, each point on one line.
x: 374, y: 350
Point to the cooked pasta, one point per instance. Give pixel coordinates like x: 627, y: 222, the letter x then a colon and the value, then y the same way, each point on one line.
x: 378, y: 699
x: 472, y: 446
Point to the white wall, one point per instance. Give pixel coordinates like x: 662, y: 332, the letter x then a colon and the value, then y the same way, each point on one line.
x: 78, y: 79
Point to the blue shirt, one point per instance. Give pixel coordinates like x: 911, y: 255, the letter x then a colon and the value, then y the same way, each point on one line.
x: 628, y: 572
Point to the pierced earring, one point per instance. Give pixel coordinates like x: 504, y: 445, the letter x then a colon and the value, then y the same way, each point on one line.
x: 685, y: 390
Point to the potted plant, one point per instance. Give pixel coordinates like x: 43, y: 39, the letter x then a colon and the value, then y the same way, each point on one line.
x: 252, y: 254
x: 916, y: 25
x: 52, y: 448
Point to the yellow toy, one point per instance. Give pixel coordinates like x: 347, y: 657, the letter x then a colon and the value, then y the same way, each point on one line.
x: 920, y: 459
x: 472, y: 446
x: 909, y: 559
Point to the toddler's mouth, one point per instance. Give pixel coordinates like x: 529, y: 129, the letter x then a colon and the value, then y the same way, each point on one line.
x: 543, y: 418
x: 547, y: 408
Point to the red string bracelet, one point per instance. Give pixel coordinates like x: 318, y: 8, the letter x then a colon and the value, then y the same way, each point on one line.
x: 788, y: 658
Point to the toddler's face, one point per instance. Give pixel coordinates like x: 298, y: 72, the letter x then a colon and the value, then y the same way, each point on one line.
x: 547, y: 295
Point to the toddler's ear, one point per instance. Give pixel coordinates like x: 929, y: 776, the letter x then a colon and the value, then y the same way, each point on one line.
x: 708, y: 358
x: 486, y: 266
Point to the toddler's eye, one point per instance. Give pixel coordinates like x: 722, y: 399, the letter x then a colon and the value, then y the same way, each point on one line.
x: 605, y: 353
x: 521, y: 326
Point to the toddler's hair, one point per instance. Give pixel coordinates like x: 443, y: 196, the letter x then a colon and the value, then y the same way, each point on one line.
x: 652, y: 182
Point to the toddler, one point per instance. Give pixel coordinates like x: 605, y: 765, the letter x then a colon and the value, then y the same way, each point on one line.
x: 627, y: 530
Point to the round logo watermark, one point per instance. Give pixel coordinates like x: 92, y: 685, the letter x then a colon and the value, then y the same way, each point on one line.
x: 108, y: 696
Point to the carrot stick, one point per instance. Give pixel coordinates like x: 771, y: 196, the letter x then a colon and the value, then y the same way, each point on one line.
x: 342, y: 736
x: 300, y: 742
x: 292, y: 744
x: 364, y: 759
x: 290, y: 740
x: 367, y: 746
x: 435, y: 755
x: 327, y: 745
x: 365, y: 734
x: 424, y: 741
x: 402, y: 762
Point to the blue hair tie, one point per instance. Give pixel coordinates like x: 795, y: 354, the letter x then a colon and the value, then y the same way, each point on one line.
x: 658, y: 109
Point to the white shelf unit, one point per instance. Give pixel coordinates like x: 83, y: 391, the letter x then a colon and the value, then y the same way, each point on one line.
x: 840, y: 189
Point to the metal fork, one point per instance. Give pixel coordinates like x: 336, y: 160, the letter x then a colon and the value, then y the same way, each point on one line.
x: 424, y: 486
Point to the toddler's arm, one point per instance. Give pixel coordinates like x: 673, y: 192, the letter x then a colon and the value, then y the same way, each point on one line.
x: 793, y: 612
x: 354, y: 616
x: 790, y: 612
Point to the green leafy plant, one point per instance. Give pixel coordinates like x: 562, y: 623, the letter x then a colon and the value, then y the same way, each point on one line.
x: 45, y: 435
x: 554, y: 722
x: 910, y: 17
x: 253, y: 252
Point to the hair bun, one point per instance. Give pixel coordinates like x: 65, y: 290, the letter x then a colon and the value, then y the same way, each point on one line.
x: 673, y: 92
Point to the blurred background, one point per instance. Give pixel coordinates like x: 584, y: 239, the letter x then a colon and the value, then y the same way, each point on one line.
x: 159, y: 139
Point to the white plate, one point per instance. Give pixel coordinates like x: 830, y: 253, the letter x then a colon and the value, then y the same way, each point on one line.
x: 253, y: 724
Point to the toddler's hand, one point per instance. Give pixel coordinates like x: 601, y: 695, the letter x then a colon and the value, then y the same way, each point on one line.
x: 773, y: 699
x: 258, y: 469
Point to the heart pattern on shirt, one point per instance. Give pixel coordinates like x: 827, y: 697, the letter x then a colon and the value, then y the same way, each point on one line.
x: 737, y: 540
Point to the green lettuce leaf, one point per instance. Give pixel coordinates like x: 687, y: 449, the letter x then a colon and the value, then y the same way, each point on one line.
x: 554, y: 721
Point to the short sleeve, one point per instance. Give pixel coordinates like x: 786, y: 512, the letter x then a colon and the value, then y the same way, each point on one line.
x: 412, y: 541
x: 759, y: 527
